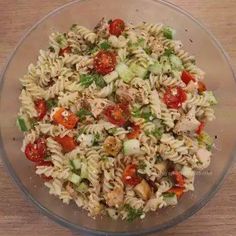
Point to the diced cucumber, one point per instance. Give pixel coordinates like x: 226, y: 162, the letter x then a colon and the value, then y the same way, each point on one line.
x: 82, y: 188
x: 164, y: 60
x: 187, y: 172
x: 210, y: 97
x: 124, y: 72
x: 76, y: 164
x: 131, y: 147
x: 175, y: 62
x: 166, y: 68
x: 170, y: 199
x: 168, y: 32
x: 155, y: 68
x: 84, y: 171
x: 138, y: 70
x: 75, y: 179
x: 23, y: 123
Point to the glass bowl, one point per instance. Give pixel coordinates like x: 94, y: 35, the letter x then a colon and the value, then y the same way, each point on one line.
x: 196, y: 39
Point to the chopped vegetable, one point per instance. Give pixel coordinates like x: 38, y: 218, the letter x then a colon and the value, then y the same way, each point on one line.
x: 138, y: 70
x: 168, y: 52
x: 170, y: 198
x: 86, y: 80
x: 116, y: 27
x: 115, y: 197
x: 41, y: 108
x: 178, y: 191
x: 23, y: 123
x: 125, y: 72
x: 65, y: 118
x: 99, y: 81
x: 205, y: 139
x: 178, y: 178
x: 51, y: 103
x: 175, y: 62
x: 117, y: 114
x: 104, y: 62
x: 82, y: 188
x: 130, y: 175
x: 200, y: 128
x: 174, y: 97
x: 75, y: 179
x: 64, y: 51
x: 131, y: 147
x: 134, y: 131
x: 68, y: 143
x: 132, y: 213
x: 82, y: 113
x: 105, y: 45
x: 168, y: 32
x: 75, y: 164
x: 186, y: 77
x: 36, y: 151
x: 155, y: 68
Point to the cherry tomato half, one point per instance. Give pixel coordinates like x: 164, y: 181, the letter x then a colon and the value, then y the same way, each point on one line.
x: 186, y: 77
x: 130, y: 176
x: 178, y: 178
x: 104, y: 62
x: 134, y: 132
x: 201, y: 87
x: 116, y: 27
x: 65, y: 118
x: 200, y: 128
x: 36, y: 151
x: 41, y: 108
x: 117, y: 114
x: 174, y: 97
x: 64, y: 51
x: 177, y: 190
x: 68, y: 143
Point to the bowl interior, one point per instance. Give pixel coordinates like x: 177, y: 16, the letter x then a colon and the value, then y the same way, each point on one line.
x: 196, y: 40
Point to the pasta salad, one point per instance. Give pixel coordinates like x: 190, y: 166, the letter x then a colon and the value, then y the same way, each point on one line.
x: 113, y: 118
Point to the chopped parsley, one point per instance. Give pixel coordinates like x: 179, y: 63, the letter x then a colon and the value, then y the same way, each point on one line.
x: 168, y: 194
x: 105, y: 45
x: 168, y: 52
x: 82, y: 113
x: 141, y: 165
x: 157, y: 132
x: 51, y: 103
x: 132, y: 213
x: 99, y: 81
x: 86, y: 80
x: 51, y: 49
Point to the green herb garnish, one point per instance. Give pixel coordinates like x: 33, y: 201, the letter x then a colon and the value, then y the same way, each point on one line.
x: 105, y: 45
x: 132, y: 213
x: 141, y: 165
x: 51, y: 103
x: 51, y: 49
x: 168, y: 32
x: 86, y: 80
x: 99, y: 81
x: 82, y: 113
x: 168, y: 52
x: 157, y: 132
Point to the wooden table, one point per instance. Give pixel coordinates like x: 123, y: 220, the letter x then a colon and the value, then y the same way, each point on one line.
x: 18, y: 216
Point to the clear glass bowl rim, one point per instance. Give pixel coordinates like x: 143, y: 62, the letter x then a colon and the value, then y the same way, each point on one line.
x: 205, y: 199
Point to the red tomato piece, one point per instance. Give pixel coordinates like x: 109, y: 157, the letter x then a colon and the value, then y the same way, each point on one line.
x: 68, y: 143
x: 201, y: 87
x: 104, y: 62
x: 63, y: 51
x: 36, y: 151
x: 116, y: 27
x: 135, y: 131
x: 178, y: 178
x: 177, y: 190
x: 130, y: 176
x: 200, y: 128
x: 174, y: 97
x: 65, y: 118
x: 44, y: 163
x: 41, y: 108
x: 186, y: 77
x: 117, y: 114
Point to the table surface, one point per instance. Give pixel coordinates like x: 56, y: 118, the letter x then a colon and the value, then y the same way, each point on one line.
x: 17, y: 215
